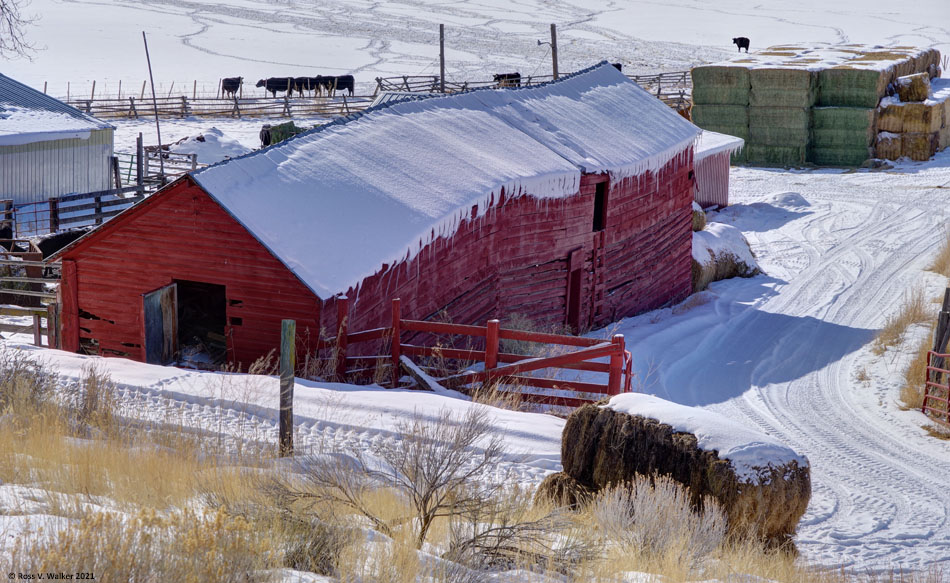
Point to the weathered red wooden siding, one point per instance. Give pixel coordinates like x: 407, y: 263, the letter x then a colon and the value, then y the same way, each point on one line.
x: 183, y: 234
x: 712, y: 180
x: 514, y: 259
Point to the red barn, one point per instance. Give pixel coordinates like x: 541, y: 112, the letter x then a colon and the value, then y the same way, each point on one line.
x: 711, y: 159
x: 568, y: 203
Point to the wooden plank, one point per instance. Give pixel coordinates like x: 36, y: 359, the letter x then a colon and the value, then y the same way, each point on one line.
x: 603, y: 349
x: 28, y: 293
x: 21, y: 311
x: 506, y: 334
x: 44, y: 280
x: 443, y: 328
x: 19, y: 263
x: 21, y: 328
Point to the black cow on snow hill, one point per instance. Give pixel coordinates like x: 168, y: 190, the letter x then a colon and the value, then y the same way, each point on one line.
x: 231, y: 85
x: 741, y: 42
x: 508, y: 80
x: 275, y: 84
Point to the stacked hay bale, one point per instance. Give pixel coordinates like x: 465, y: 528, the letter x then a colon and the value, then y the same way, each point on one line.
x: 915, y: 129
x: 816, y: 105
x: 721, y: 101
x: 763, y: 486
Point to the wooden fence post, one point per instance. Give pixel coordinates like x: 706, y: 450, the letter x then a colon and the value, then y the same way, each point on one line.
x: 396, y: 347
x: 37, y: 331
x: 342, y: 310
x: 53, y: 215
x: 616, y: 365
x: 52, y: 325
x: 491, y: 344
x: 139, y: 162
x: 288, y: 362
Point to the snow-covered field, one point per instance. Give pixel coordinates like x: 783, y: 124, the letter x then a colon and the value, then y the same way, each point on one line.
x: 782, y: 352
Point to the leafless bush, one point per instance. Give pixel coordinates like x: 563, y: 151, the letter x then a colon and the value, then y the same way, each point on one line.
x: 654, y: 516
x: 441, y: 466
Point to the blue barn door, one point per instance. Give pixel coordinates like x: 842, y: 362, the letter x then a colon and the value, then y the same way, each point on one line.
x: 161, y: 325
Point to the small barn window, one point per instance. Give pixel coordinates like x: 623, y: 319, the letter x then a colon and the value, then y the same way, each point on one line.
x: 600, y: 206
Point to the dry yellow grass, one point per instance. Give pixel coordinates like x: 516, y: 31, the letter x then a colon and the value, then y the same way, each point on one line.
x: 914, y: 309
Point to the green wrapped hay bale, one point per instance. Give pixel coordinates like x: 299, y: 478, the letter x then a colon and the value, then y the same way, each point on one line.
x: 835, y: 138
x: 849, y: 157
x: 843, y: 118
x: 776, y: 136
x: 776, y: 156
x: 720, y: 116
x: 720, y: 85
x: 793, y: 118
x: 847, y: 87
x: 783, y: 87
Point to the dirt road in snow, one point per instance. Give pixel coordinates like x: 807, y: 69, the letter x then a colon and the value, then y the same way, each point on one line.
x: 783, y: 352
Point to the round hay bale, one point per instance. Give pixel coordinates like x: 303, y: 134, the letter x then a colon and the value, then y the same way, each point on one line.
x: 603, y: 447
x: 699, y: 218
x: 562, y: 490
x: 720, y: 252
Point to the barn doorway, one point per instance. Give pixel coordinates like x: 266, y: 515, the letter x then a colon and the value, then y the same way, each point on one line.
x: 202, y: 320
x: 575, y: 290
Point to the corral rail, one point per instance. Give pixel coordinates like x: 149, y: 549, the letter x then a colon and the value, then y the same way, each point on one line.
x: 504, y: 368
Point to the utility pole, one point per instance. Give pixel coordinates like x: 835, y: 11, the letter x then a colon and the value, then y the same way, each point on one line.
x: 158, y: 129
x: 554, y: 48
x: 442, y: 58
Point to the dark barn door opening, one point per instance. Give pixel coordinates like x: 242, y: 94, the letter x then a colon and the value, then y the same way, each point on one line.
x: 202, y: 317
x: 575, y: 290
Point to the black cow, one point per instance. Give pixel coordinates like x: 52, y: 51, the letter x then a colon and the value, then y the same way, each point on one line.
x: 508, y: 80
x: 231, y: 85
x: 275, y: 84
x: 345, y: 83
x: 6, y: 232
x: 618, y: 66
x: 741, y: 42
x: 49, y: 244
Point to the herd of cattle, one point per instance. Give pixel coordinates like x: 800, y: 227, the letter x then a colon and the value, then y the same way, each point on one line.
x: 320, y: 85
x: 330, y: 84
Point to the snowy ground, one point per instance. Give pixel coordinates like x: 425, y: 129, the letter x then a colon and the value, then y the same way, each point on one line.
x: 780, y: 352
x: 86, y: 40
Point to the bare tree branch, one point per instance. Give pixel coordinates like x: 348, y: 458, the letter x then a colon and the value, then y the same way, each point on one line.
x: 13, y: 25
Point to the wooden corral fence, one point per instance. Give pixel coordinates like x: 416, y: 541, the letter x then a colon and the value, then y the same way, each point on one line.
x: 27, y: 292
x: 430, y: 83
x: 936, y: 403
x: 674, y: 88
x: 572, y: 353
x: 74, y: 210
x: 183, y: 106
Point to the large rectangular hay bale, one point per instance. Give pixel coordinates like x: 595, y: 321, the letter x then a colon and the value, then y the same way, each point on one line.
x: 847, y: 87
x: 783, y: 87
x: 890, y: 118
x: 843, y: 118
x: 888, y: 146
x: 849, y: 157
x: 720, y: 85
x: 943, y: 137
x: 919, y: 146
x: 710, y: 117
x: 922, y: 117
x: 775, y: 156
x: 843, y: 138
x: 775, y: 136
x: 793, y: 118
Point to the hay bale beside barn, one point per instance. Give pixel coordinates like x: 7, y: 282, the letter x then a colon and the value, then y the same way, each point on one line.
x: 763, y: 486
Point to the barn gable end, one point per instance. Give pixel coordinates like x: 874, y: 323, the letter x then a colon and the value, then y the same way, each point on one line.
x: 180, y: 234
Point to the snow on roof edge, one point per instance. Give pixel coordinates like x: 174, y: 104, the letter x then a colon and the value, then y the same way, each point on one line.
x: 711, y: 143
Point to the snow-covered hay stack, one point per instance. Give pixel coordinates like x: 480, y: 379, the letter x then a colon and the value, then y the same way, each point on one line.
x: 914, y: 87
x: 763, y: 486
x: 922, y: 126
x: 806, y: 105
x: 720, y: 252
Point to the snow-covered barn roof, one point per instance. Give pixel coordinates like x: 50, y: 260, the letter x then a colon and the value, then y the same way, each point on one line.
x: 710, y: 143
x: 28, y: 116
x: 335, y: 203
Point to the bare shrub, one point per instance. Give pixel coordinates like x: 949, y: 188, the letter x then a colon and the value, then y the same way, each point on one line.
x: 442, y: 466
x: 97, y: 399
x: 653, y: 516
x: 912, y: 393
x: 941, y: 262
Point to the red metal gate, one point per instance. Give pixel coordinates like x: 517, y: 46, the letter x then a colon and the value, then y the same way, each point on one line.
x: 937, y: 389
